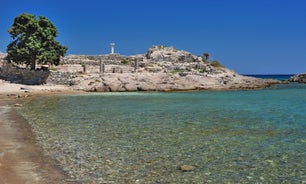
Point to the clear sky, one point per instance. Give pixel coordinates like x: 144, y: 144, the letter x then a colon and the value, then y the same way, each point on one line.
x: 248, y: 36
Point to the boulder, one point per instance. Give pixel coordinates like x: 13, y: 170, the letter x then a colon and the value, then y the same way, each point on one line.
x: 300, y: 78
x: 186, y: 168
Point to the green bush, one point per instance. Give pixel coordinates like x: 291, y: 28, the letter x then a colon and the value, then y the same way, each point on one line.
x: 216, y: 63
x: 125, y: 61
x: 177, y: 70
x: 203, y: 70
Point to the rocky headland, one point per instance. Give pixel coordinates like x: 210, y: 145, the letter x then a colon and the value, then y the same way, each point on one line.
x: 159, y: 69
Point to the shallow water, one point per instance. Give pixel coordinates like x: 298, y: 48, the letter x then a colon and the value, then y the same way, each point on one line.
x: 227, y: 137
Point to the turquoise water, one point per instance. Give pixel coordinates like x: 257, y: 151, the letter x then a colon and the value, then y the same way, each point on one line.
x: 227, y: 137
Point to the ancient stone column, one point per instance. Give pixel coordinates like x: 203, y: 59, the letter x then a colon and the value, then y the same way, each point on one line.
x: 84, y: 68
x: 102, y: 66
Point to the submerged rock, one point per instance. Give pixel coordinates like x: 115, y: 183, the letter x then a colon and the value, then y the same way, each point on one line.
x: 186, y: 168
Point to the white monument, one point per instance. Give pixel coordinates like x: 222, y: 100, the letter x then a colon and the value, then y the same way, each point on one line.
x: 112, y: 48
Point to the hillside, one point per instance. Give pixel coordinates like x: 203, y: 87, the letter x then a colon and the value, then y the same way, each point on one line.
x: 159, y: 69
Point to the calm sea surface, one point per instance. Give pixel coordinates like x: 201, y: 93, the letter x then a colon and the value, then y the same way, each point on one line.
x: 277, y: 77
x: 256, y: 136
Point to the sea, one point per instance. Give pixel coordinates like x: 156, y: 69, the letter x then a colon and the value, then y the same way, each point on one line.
x: 271, y: 76
x: 241, y: 136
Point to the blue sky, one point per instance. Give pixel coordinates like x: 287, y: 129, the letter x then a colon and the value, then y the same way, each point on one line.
x: 248, y: 36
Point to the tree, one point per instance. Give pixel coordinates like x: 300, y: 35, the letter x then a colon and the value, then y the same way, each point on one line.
x: 206, y: 56
x: 33, y: 41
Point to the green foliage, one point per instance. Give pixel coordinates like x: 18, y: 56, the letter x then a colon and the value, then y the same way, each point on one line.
x: 216, y: 63
x: 125, y: 61
x: 33, y: 41
x: 206, y: 56
x: 203, y: 70
x: 177, y: 70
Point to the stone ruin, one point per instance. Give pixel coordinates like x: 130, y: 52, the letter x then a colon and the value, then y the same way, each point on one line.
x: 156, y: 59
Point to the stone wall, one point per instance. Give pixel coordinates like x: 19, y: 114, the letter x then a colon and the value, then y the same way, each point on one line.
x: 94, y: 59
x: 91, y: 69
x: 14, y: 74
x: 64, y: 78
x: 71, y: 68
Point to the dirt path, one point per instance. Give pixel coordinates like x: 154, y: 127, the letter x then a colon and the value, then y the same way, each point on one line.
x: 21, y: 160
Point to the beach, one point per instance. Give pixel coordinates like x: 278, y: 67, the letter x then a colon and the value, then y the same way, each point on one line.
x: 21, y: 159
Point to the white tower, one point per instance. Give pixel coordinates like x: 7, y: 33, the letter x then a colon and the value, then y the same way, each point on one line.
x: 112, y: 48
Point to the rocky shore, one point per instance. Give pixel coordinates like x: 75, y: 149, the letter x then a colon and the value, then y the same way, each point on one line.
x: 159, y: 69
x: 170, y: 82
x: 300, y: 78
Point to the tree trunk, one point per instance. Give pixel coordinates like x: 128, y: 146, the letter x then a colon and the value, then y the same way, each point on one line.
x: 33, y: 64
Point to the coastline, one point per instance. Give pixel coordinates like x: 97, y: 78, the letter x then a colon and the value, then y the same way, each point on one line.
x: 124, y: 149
x: 21, y: 159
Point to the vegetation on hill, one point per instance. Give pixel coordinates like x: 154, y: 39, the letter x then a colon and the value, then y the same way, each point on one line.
x: 216, y: 63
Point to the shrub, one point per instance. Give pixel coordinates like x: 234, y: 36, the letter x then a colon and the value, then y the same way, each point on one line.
x: 125, y: 61
x: 216, y: 63
x: 203, y: 70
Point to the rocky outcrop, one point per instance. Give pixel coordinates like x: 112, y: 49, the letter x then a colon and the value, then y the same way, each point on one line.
x: 300, y: 78
x: 2, y: 55
x: 162, y: 81
x: 159, y: 69
x: 162, y: 53
x: 2, y: 59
